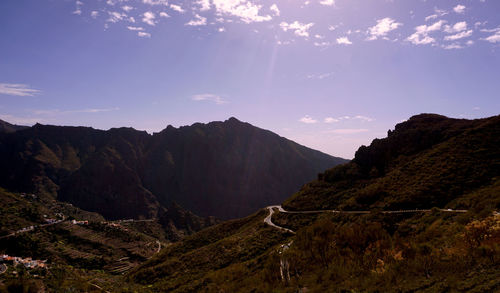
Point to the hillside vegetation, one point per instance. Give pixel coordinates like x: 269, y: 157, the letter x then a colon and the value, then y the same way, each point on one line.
x: 427, y: 162
x: 223, y: 169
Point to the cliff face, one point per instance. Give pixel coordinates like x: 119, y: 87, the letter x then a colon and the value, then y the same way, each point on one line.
x: 223, y: 169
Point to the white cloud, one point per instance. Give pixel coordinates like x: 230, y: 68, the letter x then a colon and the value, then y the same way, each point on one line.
x: 94, y: 14
x: 164, y: 14
x: 344, y: 41
x: 327, y: 2
x: 308, y: 120
x: 383, y: 26
x: 144, y: 34
x: 177, y: 8
x: 274, y: 8
x: 493, y: 30
x: 457, y: 27
x: 16, y: 89
x: 78, y: 9
x: 421, y: 35
x: 149, y: 18
x: 204, y: 4
x: 245, y: 10
x: 460, y: 35
x: 432, y: 16
x: 221, y: 29
x: 438, y: 13
x: 155, y: 2
x: 330, y: 120
x: 209, y: 97
x: 459, y: 9
x: 199, y: 20
x: 357, y: 117
x: 300, y: 29
x: 115, y: 16
x: 319, y: 76
x: 452, y: 46
x: 363, y: 118
x: 494, y: 38
x: 319, y: 37
x: 135, y: 28
x: 127, y: 8
x: 322, y: 44
x: 332, y: 27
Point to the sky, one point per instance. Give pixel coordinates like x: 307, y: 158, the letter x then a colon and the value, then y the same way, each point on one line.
x: 329, y: 74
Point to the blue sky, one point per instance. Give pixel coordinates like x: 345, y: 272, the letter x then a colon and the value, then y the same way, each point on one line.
x: 331, y: 75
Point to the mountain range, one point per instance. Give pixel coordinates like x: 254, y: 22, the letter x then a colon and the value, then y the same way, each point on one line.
x: 223, y: 169
x: 416, y: 211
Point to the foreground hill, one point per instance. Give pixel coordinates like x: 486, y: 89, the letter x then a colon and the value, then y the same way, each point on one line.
x: 222, y: 169
x: 429, y: 161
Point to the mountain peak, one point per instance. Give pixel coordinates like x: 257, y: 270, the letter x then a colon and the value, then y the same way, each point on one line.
x: 233, y: 120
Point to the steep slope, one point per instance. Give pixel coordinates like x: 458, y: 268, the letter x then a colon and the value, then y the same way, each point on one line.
x: 6, y: 127
x: 222, y: 169
x: 427, y: 161
x: 230, y: 167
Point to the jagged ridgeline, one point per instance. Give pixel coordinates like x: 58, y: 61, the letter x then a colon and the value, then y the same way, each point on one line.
x: 427, y: 161
x: 223, y: 169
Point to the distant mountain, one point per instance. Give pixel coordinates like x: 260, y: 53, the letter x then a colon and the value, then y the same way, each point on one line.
x: 223, y: 169
x: 428, y: 161
x: 6, y: 127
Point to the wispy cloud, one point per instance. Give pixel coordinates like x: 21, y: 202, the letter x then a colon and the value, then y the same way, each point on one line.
x: 320, y: 76
x: 308, y: 120
x: 53, y: 112
x: 347, y: 130
x: 16, y: 89
x: 21, y: 120
x: 421, y: 35
x: 331, y: 120
x: 209, y: 97
x: 78, y: 9
x: 135, y: 28
x: 460, y: 35
x: 155, y: 2
x: 327, y: 2
x: 357, y: 117
x: 143, y: 34
x: 197, y: 21
x: 274, y: 8
x: 495, y: 37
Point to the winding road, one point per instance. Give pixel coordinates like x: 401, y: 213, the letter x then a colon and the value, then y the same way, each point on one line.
x: 268, y: 219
